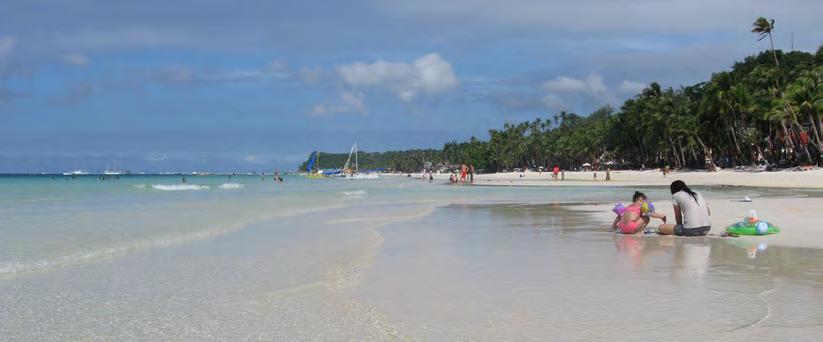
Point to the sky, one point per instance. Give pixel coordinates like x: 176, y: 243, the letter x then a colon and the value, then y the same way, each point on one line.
x: 257, y: 85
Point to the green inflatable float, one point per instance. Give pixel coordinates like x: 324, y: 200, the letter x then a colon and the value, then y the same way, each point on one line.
x: 756, y: 228
x: 751, y: 225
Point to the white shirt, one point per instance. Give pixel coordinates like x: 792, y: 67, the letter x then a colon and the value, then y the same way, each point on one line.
x: 695, y: 213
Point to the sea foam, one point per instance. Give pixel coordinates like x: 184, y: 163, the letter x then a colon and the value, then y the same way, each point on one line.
x: 231, y: 186
x: 354, y: 193
x: 179, y: 187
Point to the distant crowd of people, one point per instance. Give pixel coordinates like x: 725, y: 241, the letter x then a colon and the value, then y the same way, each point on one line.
x: 466, y: 174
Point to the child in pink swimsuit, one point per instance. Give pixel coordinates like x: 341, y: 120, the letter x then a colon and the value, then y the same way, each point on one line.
x: 632, y: 220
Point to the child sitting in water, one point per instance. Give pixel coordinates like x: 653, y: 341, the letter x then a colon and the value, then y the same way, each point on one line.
x: 634, y: 218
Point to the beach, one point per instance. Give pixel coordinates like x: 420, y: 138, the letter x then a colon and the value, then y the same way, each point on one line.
x: 397, y: 258
x: 812, y: 179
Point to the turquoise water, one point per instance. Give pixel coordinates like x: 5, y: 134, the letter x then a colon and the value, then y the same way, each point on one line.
x: 219, y: 258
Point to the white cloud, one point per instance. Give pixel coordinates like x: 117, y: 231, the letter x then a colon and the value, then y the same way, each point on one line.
x: 346, y: 102
x: 553, y: 101
x: 596, y: 86
x: 589, y: 90
x: 631, y: 87
x: 76, y: 59
x: 429, y: 74
x: 564, y: 84
x: 593, y: 85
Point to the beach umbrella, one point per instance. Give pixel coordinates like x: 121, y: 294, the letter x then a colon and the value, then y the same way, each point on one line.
x: 586, y: 165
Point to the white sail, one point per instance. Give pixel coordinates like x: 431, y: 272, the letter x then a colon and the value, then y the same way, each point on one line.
x: 356, y: 174
x: 346, y: 166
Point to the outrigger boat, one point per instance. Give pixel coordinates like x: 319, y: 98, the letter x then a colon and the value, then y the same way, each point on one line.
x: 314, y: 161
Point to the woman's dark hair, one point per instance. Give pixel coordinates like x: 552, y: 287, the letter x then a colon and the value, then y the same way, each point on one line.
x: 679, y: 185
x: 638, y: 194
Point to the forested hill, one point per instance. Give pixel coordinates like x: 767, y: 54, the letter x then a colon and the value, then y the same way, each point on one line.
x: 768, y: 109
x: 408, y: 161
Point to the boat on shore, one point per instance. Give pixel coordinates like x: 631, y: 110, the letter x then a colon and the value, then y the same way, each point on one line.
x: 313, y: 170
x: 355, y: 173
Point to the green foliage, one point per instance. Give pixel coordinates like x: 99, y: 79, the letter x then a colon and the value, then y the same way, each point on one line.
x: 767, y: 109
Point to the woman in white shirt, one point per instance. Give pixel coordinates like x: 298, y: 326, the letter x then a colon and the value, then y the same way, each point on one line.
x: 691, y: 212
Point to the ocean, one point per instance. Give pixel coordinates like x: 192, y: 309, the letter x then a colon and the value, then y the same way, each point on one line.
x: 245, y: 258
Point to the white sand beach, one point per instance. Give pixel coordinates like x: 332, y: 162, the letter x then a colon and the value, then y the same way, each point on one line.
x: 812, y: 179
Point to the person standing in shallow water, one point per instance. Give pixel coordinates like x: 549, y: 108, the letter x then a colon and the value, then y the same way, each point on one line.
x: 691, y: 212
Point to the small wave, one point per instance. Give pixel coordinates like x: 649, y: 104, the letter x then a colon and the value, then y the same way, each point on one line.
x: 12, y: 268
x: 354, y: 193
x: 16, y: 267
x: 231, y: 186
x: 139, y: 186
x: 179, y: 187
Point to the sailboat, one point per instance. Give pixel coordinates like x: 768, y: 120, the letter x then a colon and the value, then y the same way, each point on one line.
x: 314, y: 160
x: 356, y: 174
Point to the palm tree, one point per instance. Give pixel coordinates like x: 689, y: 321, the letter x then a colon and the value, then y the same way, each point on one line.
x: 763, y: 28
x: 806, y: 95
x: 818, y: 56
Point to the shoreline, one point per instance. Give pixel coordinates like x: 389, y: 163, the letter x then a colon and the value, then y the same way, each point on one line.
x: 797, y: 218
x: 812, y: 179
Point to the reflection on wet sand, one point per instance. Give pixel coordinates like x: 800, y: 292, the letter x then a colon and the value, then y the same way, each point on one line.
x: 694, y: 256
x: 526, y: 271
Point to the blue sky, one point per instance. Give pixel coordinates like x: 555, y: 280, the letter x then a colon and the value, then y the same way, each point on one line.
x: 254, y: 85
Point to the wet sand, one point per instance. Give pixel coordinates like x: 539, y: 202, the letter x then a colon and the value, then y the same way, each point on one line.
x: 542, y: 272
x: 799, y: 218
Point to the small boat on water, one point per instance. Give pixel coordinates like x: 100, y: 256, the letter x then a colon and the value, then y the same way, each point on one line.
x: 112, y: 172
x: 75, y: 173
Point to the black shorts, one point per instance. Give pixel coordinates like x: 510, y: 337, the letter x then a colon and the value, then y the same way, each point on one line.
x: 679, y: 230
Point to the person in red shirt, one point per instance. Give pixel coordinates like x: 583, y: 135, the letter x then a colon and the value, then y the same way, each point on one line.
x: 555, y: 171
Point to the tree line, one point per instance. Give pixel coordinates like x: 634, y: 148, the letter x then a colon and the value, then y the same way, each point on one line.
x: 766, y: 110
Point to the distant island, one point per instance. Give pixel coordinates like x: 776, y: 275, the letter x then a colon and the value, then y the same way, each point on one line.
x: 767, y: 111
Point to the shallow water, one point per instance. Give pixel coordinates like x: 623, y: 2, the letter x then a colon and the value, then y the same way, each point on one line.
x: 151, y: 258
x: 537, y: 272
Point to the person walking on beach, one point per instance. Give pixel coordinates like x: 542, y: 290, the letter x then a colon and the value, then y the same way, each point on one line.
x: 691, y: 212
x: 608, y: 174
x: 555, y: 171
x: 471, y: 173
